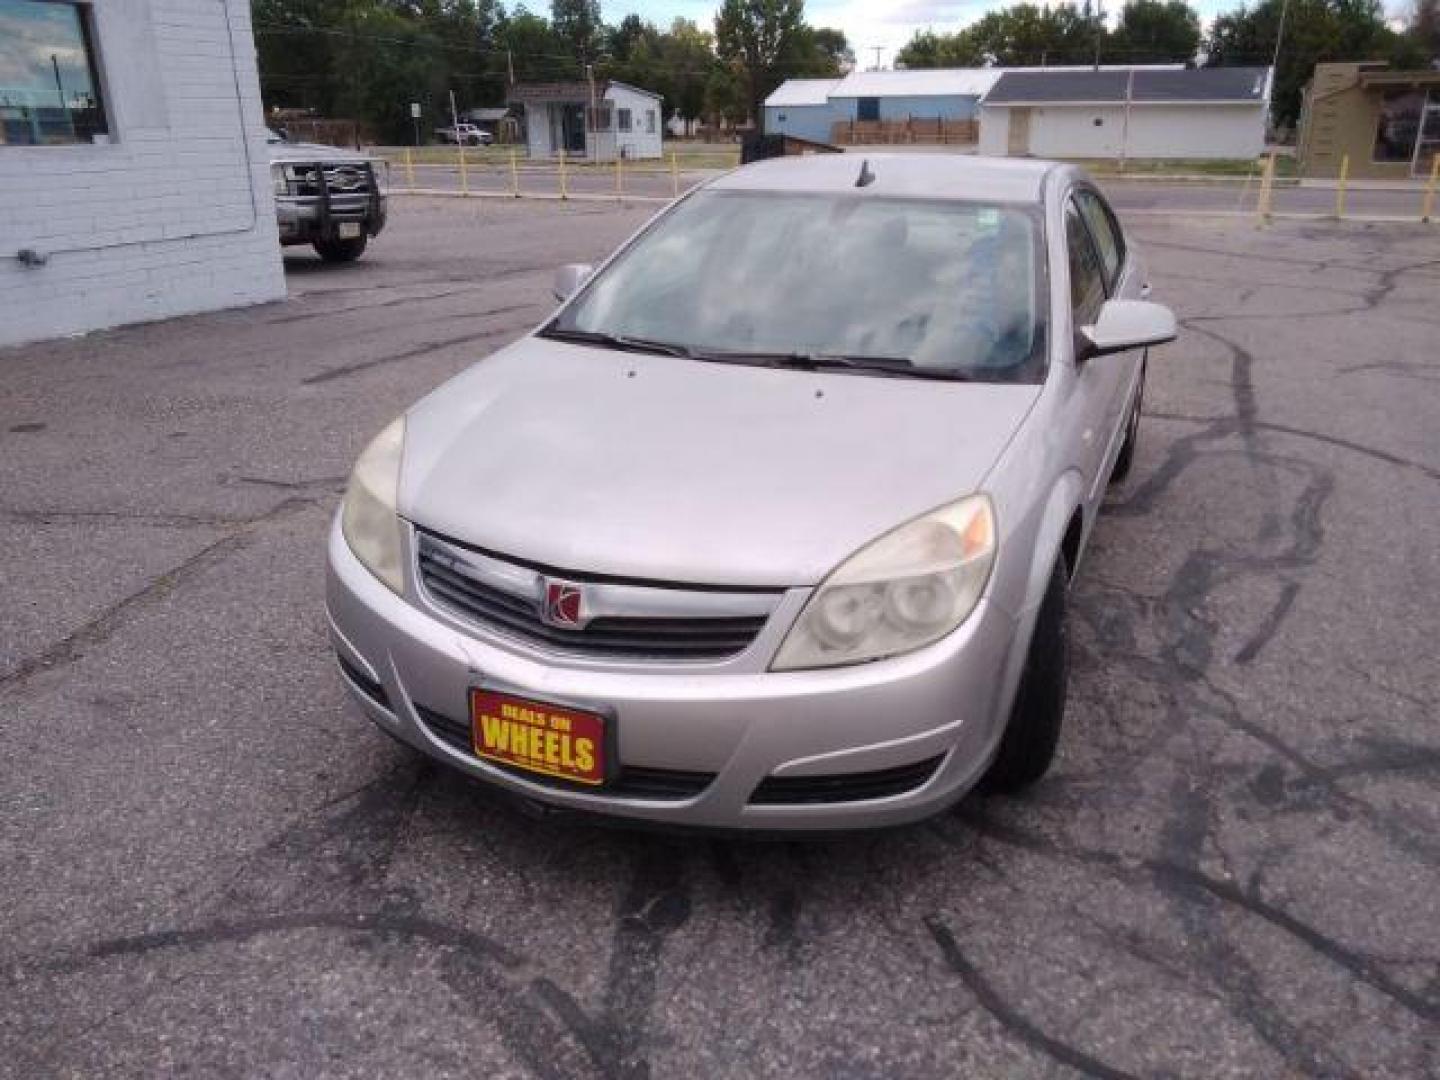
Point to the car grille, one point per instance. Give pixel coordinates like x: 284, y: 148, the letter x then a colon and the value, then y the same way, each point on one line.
x: 633, y: 781
x: 844, y: 787
x: 342, y: 179
x: 452, y: 576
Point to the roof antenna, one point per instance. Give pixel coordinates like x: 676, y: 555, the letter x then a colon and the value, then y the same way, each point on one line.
x: 866, y: 177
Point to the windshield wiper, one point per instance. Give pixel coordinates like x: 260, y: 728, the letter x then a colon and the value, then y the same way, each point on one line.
x: 894, y: 367
x: 615, y: 341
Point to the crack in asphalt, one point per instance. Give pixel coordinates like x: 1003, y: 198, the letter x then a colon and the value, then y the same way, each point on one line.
x: 1010, y: 1018
x: 346, y: 370
x: 1191, y: 884
x: 100, y: 627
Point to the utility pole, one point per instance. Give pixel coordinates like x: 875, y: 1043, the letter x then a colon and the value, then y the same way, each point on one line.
x: 878, y: 50
x: 1099, y: 29
x: 60, y: 89
x: 1275, y: 60
x: 455, y: 118
x: 592, y: 120
x: 1125, y: 128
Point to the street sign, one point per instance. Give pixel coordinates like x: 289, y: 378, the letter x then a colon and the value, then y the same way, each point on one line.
x: 414, y: 110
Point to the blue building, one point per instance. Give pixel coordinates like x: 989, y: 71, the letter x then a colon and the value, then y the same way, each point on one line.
x: 811, y: 108
x: 801, y: 107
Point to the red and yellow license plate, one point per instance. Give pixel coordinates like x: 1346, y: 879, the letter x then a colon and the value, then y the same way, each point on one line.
x: 539, y: 737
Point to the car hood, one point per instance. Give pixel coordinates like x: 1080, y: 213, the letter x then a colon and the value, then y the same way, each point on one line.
x: 308, y: 153
x: 639, y: 466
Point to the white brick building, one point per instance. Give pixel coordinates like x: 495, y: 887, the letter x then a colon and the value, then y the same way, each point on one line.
x: 133, y: 165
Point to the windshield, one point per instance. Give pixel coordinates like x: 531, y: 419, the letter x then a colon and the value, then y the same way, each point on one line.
x: 914, y: 287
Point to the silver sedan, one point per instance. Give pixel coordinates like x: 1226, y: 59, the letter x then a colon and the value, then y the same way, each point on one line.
x: 771, y: 525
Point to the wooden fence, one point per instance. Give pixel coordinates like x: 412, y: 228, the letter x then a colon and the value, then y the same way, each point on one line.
x: 909, y: 130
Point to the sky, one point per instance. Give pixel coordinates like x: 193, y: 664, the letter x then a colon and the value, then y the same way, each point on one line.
x: 888, y: 24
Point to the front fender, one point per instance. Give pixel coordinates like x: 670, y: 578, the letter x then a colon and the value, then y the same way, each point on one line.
x: 1066, y: 496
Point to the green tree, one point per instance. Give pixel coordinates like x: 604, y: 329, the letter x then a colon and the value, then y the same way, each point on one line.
x: 578, y: 25
x: 754, y: 36
x: 536, y: 52
x: 726, y: 94
x: 1156, y: 32
x: 832, y: 48
x: 1425, y: 28
x: 1315, y: 30
x: 688, y: 55
x: 623, y: 39
x: 928, y: 49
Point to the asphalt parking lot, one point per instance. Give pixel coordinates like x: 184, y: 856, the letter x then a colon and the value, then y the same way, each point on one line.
x: 209, y: 864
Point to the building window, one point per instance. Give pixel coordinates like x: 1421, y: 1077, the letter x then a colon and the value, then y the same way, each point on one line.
x: 1395, y: 135
x: 867, y: 108
x: 597, y: 117
x: 49, y: 89
x: 650, y: 121
x: 624, y: 115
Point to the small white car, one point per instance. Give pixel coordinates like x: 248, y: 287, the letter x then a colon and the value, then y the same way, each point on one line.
x: 464, y: 135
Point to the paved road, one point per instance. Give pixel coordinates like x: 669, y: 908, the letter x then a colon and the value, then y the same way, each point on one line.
x: 209, y: 864
x: 650, y: 180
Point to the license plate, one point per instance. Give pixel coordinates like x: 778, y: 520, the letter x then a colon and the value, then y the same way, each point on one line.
x: 538, y: 736
x: 349, y: 230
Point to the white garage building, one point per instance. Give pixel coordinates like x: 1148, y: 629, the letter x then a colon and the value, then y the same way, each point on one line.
x: 133, y: 165
x: 625, y: 121
x: 1137, y: 113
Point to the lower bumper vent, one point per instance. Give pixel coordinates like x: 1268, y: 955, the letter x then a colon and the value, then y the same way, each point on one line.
x: 362, y: 682
x: 844, y: 787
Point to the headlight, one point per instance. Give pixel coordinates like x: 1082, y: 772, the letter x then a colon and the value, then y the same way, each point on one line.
x: 369, y: 520
x: 905, y: 590
x: 278, y: 180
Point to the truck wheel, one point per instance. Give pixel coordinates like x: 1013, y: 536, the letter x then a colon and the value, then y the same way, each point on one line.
x: 1126, y: 457
x: 1028, y: 746
x: 341, y: 251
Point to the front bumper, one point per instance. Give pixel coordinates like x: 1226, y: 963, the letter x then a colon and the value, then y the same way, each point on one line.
x: 305, y: 219
x: 944, y: 702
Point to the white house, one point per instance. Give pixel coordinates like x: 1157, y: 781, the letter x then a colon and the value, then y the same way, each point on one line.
x: 623, y: 121
x: 1136, y: 113
x: 820, y: 109
x: 133, y: 165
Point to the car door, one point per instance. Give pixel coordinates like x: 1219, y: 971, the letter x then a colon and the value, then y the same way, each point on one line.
x: 1101, y: 269
x: 1095, y: 382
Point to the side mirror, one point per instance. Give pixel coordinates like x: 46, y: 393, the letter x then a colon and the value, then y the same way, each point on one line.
x: 569, y: 278
x: 1124, y: 325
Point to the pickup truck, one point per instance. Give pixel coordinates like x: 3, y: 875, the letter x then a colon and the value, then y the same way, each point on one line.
x: 330, y: 198
x: 464, y: 135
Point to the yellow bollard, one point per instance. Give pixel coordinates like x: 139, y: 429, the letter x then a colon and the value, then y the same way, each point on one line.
x: 674, y: 176
x: 1340, y: 187
x: 514, y: 176
x: 1427, y: 211
x: 409, y: 170
x: 1267, y: 189
x: 464, y: 175
x: 564, y: 184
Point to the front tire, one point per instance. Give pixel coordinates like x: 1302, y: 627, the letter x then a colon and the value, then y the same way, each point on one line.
x: 341, y: 251
x: 1126, y: 458
x: 1027, y: 748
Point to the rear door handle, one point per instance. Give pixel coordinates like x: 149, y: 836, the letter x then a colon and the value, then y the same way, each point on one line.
x: 1145, y: 291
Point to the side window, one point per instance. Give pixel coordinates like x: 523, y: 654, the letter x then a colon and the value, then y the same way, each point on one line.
x: 1106, y: 232
x: 1087, y: 278
x: 624, y: 115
